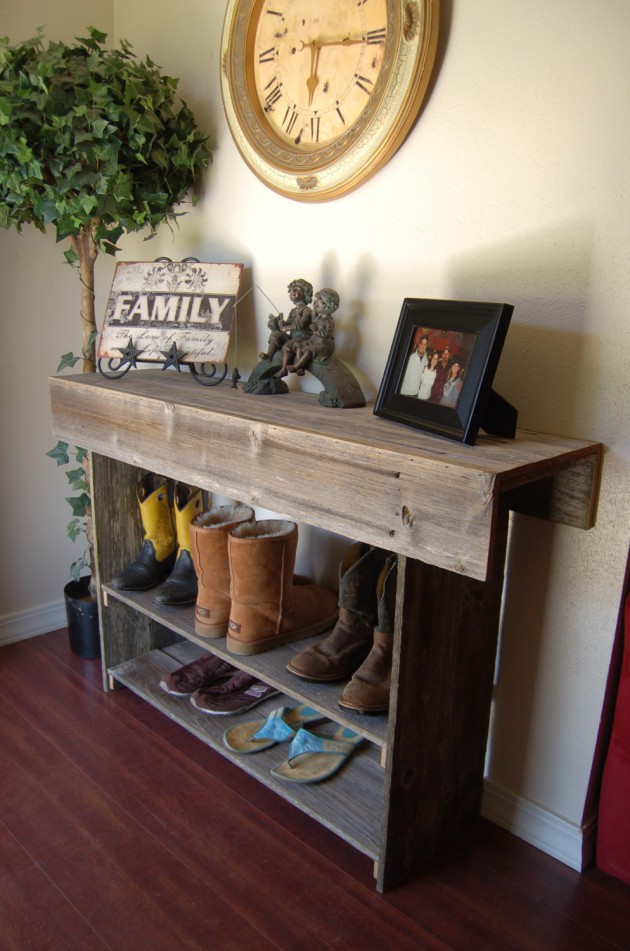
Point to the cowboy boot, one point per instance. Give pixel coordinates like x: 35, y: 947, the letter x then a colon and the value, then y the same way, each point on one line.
x: 209, y: 549
x: 157, y: 555
x: 268, y: 607
x: 181, y: 585
x: 339, y: 654
x: 368, y: 691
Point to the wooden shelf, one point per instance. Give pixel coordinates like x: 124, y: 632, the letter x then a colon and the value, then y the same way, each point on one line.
x: 350, y: 803
x: 270, y: 666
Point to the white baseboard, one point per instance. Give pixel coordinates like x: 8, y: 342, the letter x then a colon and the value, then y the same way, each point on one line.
x: 23, y: 624
x: 570, y: 843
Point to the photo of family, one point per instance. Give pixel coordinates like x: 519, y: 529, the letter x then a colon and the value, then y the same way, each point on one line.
x: 436, y: 366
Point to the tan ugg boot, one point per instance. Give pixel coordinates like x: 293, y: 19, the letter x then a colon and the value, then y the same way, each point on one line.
x: 268, y: 607
x: 181, y: 585
x: 368, y: 691
x: 209, y: 550
x: 340, y: 653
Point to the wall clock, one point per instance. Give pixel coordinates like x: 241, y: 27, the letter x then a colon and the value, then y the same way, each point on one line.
x: 319, y: 94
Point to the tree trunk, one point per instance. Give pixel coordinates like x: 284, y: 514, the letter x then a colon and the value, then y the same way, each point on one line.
x: 87, y: 250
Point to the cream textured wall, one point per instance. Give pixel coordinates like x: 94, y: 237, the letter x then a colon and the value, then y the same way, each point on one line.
x: 40, y: 321
x: 511, y: 187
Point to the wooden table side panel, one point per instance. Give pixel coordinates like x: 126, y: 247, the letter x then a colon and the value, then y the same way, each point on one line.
x: 444, y: 657
x: 567, y: 495
x: 125, y: 633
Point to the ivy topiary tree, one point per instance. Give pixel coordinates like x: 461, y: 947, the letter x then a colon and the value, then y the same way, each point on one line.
x: 93, y: 143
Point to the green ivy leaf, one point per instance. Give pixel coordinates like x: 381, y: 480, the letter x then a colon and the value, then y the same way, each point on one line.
x: 78, y: 566
x: 79, y: 504
x: 71, y: 257
x: 60, y: 453
x: 67, y: 360
x: 75, y: 529
x: 76, y: 478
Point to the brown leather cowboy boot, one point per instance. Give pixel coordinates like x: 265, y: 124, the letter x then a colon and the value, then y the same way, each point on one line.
x: 368, y: 691
x: 339, y: 654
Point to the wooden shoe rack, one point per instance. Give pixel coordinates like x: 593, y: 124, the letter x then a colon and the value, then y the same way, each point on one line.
x: 443, y: 506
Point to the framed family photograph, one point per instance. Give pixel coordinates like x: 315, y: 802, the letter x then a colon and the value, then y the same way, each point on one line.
x: 441, y: 366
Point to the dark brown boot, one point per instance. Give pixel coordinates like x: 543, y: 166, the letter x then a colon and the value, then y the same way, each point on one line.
x: 368, y: 691
x: 339, y: 654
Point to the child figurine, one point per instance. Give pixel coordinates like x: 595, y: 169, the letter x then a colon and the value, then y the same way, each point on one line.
x: 319, y: 346
x: 297, y: 324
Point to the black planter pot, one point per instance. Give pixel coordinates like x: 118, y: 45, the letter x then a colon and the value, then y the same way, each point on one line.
x: 82, y: 615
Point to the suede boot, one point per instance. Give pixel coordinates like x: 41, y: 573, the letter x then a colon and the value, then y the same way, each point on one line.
x: 368, y: 691
x: 268, y: 607
x: 181, y: 585
x: 339, y: 654
x: 209, y: 549
x: 157, y: 555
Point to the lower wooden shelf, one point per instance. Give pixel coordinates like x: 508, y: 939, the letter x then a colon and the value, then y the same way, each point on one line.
x: 350, y: 803
x: 269, y: 666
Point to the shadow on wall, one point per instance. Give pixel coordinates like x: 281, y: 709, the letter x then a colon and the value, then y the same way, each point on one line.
x: 521, y: 648
x: 545, y: 368
x: 349, y: 336
x: 547, y: 359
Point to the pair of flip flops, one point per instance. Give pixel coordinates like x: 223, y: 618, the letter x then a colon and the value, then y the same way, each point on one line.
x: 312, y: 757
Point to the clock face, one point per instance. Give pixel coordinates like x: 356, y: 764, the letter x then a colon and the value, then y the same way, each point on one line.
x: 320, y: 93
x: 317, y: 65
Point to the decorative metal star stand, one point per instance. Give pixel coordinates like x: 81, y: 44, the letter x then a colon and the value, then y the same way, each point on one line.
x: 116, y: 367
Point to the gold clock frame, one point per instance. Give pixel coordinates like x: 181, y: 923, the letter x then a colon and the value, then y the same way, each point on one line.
x: 307, y: 173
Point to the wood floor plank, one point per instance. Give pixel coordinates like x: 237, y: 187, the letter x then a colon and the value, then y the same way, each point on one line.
x: 127, y: 832
x: 100, y: 859
x: 203, y: 835
x: 33, y: 912
x: 519, y: 901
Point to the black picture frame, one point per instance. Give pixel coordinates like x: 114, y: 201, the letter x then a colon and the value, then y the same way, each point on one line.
x: 474, y: 332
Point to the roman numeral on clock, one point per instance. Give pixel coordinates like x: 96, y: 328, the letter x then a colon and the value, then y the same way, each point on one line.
x: 272, y: 97
x: 376, y: 36
x: 289, y: 120
x: 361, y: 80
x: 267, y: 56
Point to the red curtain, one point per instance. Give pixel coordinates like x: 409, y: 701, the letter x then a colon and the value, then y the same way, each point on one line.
x: 613, y: 835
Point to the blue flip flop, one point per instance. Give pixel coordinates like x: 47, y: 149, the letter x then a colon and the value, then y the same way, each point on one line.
x: 281, y: 725
x: 314, y: 757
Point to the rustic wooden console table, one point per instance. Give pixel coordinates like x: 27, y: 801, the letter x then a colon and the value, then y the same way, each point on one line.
x: 441, y: 505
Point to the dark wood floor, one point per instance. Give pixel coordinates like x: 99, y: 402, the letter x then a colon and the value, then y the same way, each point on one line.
x: 119, y: 830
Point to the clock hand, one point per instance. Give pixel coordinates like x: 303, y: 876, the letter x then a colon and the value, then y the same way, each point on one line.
x: 313, y: 80
x: 346, y: 41
x: 315, y: 47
